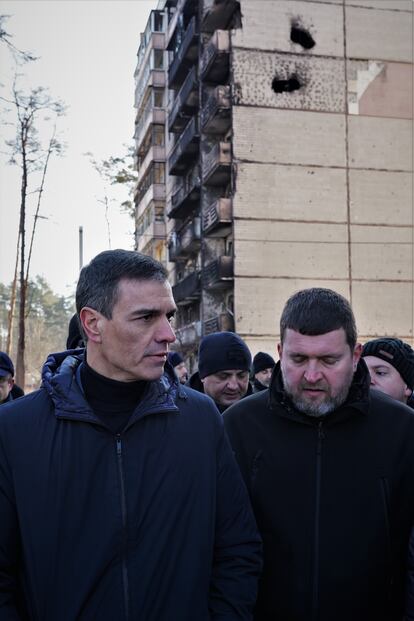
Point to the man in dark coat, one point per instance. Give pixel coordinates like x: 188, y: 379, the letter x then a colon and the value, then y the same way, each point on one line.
x: 263, y: 365
x: 330, y: 470
x: 224, y: 362
x: 120, y: 498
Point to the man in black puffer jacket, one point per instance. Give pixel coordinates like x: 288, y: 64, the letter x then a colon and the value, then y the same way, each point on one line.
x: 120, y: 499
x: 330, y: 470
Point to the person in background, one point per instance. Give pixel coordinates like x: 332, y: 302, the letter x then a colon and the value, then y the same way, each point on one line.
x: 390, y: 362
x: 329, y: 465
x: 9, y: 390
x: 263, y: 365
x: 75, y: 337
x: 120, y: 497
x: 224, y: 362
x: 177, y: 362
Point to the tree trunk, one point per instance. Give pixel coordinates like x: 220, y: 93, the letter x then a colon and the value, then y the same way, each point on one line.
x: 21, y: 345
x: 13, y: 301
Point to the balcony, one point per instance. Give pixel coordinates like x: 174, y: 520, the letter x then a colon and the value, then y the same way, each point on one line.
x: 185, y: 56
x: 214, y: 66
x: 217, y: 14
x: 154, y: 154
x: 149, y: 116
x: 216, y: 114
x: 224, y: 322
x: 156, y: 230
x: 218, y: 274
x: 188, y: 335
x: 185, y: 103
x: 187, y: 290
x: 186, y: 149
x: 217, y: 165
x: 186, y: 242
x: 144, y: 195
x: 154, y: 78
x: 185, y: 200
x: 217, y: 218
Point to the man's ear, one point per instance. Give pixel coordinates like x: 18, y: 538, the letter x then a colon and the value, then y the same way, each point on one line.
x: 90, y: 320
x: 280, y: 350
x: 357, y: 355
x: 408, y: 392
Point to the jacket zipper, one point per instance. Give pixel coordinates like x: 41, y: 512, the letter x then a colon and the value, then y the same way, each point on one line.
x: 124, y: 525
x: 315, y: 591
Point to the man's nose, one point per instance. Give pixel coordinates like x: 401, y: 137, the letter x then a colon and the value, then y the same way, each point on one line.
x: 166, y: 332
x: 232, y: 383
x: 313, y: 372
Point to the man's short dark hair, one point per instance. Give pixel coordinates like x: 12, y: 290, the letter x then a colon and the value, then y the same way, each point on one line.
x: 317, y: 311
x: 99, y: 280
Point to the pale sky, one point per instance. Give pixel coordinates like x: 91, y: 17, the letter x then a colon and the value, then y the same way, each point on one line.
x: 87, y: 51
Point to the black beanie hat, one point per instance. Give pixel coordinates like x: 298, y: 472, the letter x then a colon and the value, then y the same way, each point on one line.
x: 222, y: 351
x: 174, y: 358
x: 262, y: 361
x: 397, y: 353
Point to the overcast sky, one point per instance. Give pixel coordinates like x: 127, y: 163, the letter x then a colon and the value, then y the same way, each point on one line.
x: 87, y: 51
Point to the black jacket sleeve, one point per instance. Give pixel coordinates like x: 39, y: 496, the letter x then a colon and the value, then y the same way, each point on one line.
x: 9, y: 543
x: 409, y: 609
x: 237, y: 554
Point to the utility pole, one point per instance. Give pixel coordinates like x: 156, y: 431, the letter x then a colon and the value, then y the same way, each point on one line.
x: 80, y: 247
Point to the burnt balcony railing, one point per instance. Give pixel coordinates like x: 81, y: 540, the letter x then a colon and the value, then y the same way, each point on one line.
x: 216, y: 113
x: 216, y: 58
x: 186, y: 242
x: 187, y: 290
x: 217, y: 14
x: 217, y: 165
x: 186, y: 149
x: 185, y: 103
x: 218, y: 274
x: 224, y: 322
x: 185, y: 200
x: 185, y: 56
x: 188, y: 335
x: 217, y: 218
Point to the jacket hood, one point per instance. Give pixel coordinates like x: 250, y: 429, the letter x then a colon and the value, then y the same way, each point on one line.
x: 358, y: 396
x: 61, y: 380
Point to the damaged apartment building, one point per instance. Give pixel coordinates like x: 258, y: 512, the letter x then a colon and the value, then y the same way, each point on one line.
x: 274, y: 147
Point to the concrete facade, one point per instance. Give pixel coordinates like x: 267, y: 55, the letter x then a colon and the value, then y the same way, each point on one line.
x: 324, y: 184
x: 288, y: 162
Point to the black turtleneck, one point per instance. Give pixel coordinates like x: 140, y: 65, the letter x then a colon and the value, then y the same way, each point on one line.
x: 112, y: 401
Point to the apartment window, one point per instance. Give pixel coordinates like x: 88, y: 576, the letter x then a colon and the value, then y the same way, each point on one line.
x: 158, y: 59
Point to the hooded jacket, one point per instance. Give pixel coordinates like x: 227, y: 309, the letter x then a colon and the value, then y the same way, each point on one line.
x: 152, y: 523
x: 333, y: 499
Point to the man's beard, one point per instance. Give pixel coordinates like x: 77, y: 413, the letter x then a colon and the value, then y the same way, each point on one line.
x: 318, y: 410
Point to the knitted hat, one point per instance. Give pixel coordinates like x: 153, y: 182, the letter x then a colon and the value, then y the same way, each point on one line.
x: 6, y: 365
x: 222, y: 351
x: 262, y: 361
x: 397, y: 353
x: 174, y: 358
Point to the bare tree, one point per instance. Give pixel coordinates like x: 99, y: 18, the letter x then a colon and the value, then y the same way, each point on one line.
x: 6, y: 38
x: 116, y: 170
x: 26, y: 151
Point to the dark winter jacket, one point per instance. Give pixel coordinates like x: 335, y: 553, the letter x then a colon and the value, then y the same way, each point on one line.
x: 257, y: 386
x: 333, y: 499
x: 409, y: 610
x: 152, y: 523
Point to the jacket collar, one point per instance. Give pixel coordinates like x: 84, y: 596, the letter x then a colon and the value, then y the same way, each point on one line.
x: 61, y: 380
x: 357, y: 401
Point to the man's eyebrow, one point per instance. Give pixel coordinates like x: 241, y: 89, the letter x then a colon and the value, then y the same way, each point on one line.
x: 152, y: 311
